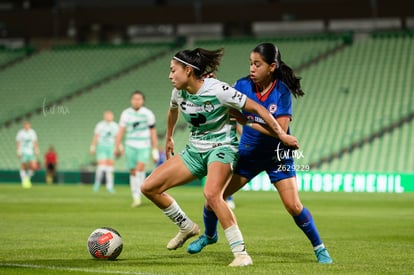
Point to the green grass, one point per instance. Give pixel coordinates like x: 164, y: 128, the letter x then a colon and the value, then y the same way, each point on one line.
x: 45, y: 229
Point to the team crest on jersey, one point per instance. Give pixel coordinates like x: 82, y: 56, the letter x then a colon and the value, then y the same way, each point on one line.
x: 208, y: 107
x: 272, y: 108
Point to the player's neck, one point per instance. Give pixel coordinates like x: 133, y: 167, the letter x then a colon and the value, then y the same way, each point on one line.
x: 194, y: 86
x: 265, y: 87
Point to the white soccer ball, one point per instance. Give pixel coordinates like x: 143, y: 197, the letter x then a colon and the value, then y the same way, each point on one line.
x: 105, y: 243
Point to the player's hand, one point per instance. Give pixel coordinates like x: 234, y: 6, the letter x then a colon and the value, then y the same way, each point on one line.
x: 169, y: 148
x: 290, y: 141
x: 119, y: 151
x: 155, y: 155
x: 240, y: 118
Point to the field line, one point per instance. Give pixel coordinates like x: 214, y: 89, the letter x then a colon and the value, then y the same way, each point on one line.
x: 74, y: 269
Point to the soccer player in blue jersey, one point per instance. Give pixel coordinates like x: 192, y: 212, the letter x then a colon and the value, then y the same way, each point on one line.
x: 271, y: 83
x: 212, y: 149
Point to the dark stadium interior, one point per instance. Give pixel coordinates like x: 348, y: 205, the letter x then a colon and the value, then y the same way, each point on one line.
x: 56, y: 19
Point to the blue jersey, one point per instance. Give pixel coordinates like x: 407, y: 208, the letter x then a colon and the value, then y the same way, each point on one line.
x: 278, y: 101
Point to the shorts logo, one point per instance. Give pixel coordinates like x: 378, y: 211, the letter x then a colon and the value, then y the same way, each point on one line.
x: 272, y: 108
x: 208, y: 107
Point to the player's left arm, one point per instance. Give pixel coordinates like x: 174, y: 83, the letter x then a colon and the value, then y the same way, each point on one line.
x: 271, y: 122
x: 283, y: 121
x: 36, y: 148
x: 154, y: 143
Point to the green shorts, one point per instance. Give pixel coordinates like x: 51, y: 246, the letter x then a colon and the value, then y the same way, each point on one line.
x: 134, y: 155
x: 104, y: 152
x: 197, y: 163
x: 27, y: 158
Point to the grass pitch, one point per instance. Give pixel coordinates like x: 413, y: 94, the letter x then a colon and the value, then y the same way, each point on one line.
x: 45, y: 230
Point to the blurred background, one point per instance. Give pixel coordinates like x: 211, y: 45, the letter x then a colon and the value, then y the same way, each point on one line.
x: 64, y: 62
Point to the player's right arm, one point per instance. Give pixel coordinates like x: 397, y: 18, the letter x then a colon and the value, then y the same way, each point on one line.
x: 119, y: 149
x: 18, y: 150
x: 172, y: 118
x: 92, y: 149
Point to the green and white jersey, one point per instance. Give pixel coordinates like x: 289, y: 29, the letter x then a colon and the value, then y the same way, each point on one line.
x: 207, y: 113
x: 106, y: 132
x: 137, y: 126
x: 26, y: 139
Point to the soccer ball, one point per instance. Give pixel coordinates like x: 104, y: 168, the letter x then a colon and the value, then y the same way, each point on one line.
x: 105, y: 243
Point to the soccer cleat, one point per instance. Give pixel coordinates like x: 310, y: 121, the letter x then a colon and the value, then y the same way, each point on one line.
x: 198, y: 245
x: 27, y: 184
x: 96, y: 187
x: 137, y: 202
x: 181, y: 237
x: 241, y: 260
x: 323, y: 256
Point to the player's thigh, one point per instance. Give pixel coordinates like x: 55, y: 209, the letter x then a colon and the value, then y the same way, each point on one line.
x: 169, y: 174
x: 219, y: 171
x: 218, y: 176
x: 236, y: 183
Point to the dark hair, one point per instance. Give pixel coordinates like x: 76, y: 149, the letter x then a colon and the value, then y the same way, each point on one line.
x: 203, y: 62
x: 138, y: 93
x: 271, y: 54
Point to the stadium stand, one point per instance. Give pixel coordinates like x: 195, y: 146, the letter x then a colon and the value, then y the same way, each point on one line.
x: 53, y: 74
x: 351, y: 95
x: 371, y: 83
x: 10, y: 56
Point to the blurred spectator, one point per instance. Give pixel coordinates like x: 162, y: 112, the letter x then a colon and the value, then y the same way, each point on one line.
x: 51, y: 165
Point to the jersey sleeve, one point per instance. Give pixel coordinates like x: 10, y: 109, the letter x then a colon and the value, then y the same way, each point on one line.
x: 34, y: 135
x: 18, y: 136
x: 231, y: 97
x: 151, y: 119
x: 96, y: 131
x: 173, y: 100
x: 123, y: 119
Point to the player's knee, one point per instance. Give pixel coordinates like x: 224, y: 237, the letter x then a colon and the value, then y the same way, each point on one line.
x: 294, y: 208
x: 212, y: 199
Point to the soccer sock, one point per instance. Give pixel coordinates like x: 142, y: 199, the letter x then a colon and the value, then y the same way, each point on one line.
x: 98, y: 174
x: 178, y: 217
x: 22, y: 174
x: 305, y: 222
x: 210, y: 222
x: 138, y: 180
x: 109, y: 175
x: 136, y: 193
x: 235, y: 239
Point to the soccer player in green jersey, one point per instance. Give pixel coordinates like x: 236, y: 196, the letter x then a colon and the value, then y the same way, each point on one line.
x: 27, y: 149
x: 103, y: 147
x: 137, y: 123
x: 212, y: 150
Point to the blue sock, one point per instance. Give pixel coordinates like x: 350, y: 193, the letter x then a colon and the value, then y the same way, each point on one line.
x: 210, y: 222
x: 305, y: 222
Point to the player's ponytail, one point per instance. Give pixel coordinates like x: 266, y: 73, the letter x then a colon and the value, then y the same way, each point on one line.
x: 204, y: 62
x: 271, y: 54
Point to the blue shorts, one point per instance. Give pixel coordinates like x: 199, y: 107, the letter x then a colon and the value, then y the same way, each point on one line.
x: 251, y: 163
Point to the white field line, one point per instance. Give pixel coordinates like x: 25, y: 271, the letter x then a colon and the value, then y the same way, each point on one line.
x: 74, y: 269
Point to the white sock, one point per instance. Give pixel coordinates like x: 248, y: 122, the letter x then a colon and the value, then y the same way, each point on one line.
x: 99, y: 173
x: 235, y: 239
x: 109, y: 175
x: 23, y: 174
x: 135, y: 189
x: 139, y: 178
x: 178, y: 216
x: 319, y: 246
